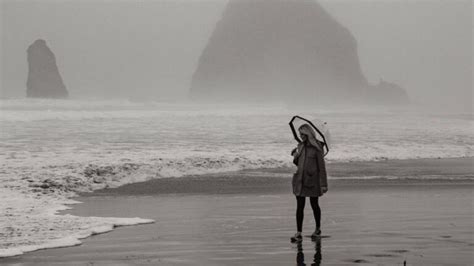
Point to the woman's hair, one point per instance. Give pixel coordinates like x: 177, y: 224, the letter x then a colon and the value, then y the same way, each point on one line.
x: 309, y: 132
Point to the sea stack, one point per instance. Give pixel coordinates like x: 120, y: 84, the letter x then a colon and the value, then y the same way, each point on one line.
x: 387, y: 92
x: 44, y: 80
x: 279, y: 50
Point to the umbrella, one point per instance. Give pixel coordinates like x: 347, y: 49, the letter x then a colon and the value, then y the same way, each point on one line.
x: 320, y: 128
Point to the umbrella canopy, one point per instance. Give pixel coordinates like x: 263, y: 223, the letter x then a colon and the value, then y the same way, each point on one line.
x: 319, y: 127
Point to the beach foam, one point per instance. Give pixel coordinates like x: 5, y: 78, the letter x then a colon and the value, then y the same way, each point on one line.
x: 30, y: 221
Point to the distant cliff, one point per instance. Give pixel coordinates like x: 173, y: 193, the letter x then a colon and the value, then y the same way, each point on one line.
x: 44, y: 80
x: 279, y: 50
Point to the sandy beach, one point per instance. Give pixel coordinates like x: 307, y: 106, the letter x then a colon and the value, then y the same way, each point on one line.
x: 161, y: 132
x: 246, y: 218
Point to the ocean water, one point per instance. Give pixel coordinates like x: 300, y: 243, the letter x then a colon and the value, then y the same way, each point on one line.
x: 52, y: 149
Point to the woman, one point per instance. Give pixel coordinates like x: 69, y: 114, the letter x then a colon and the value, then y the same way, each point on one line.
x: 310, y: 179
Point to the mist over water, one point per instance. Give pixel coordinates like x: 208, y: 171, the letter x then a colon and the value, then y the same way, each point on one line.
x: 149, y: 50
x: 261, y: 131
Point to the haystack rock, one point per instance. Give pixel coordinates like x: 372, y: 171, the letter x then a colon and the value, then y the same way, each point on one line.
x: 279, y: 50
x: 44, y: 80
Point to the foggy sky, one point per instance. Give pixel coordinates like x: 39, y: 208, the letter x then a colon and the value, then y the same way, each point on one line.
x: 149, y: 49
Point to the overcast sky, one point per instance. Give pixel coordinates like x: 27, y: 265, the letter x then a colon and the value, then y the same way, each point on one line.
x: 150, y: 48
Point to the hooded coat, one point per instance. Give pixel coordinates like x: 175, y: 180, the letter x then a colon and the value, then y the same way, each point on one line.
x: 310, y: 176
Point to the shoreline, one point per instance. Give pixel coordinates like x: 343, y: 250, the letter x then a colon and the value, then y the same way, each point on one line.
x: 382, y: 225
x: 455, y: 173
x: 341, y: 174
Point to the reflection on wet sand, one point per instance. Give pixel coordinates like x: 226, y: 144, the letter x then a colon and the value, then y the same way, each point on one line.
x: 317, y: 253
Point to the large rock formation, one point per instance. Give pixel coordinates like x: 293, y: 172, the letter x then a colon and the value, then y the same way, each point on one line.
x: 279, y: 50
x: 44, y: 80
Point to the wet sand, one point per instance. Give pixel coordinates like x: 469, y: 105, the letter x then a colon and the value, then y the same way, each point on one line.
x: 246, y: 218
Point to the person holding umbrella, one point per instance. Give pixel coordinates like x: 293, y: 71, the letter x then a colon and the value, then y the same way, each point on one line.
x: 310, y: 179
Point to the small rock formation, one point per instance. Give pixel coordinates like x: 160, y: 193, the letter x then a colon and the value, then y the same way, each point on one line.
x: 279, y: 50
x: 386, y: 92
x: 44, y: 80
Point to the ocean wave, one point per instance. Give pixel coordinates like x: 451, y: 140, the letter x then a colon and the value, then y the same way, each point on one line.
x: 30, y: 221
x: 25, y: 110
x: 53, y: 149
x: 30, y: 198
x: 64, y: 104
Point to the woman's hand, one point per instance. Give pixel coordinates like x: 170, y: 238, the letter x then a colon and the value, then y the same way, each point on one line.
x: 294, y: 151
x: 324, y: 189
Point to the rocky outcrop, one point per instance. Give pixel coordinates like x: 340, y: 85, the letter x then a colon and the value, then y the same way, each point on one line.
x: 44, y: 80
x: 279, y: 50
x: 386, y: 92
